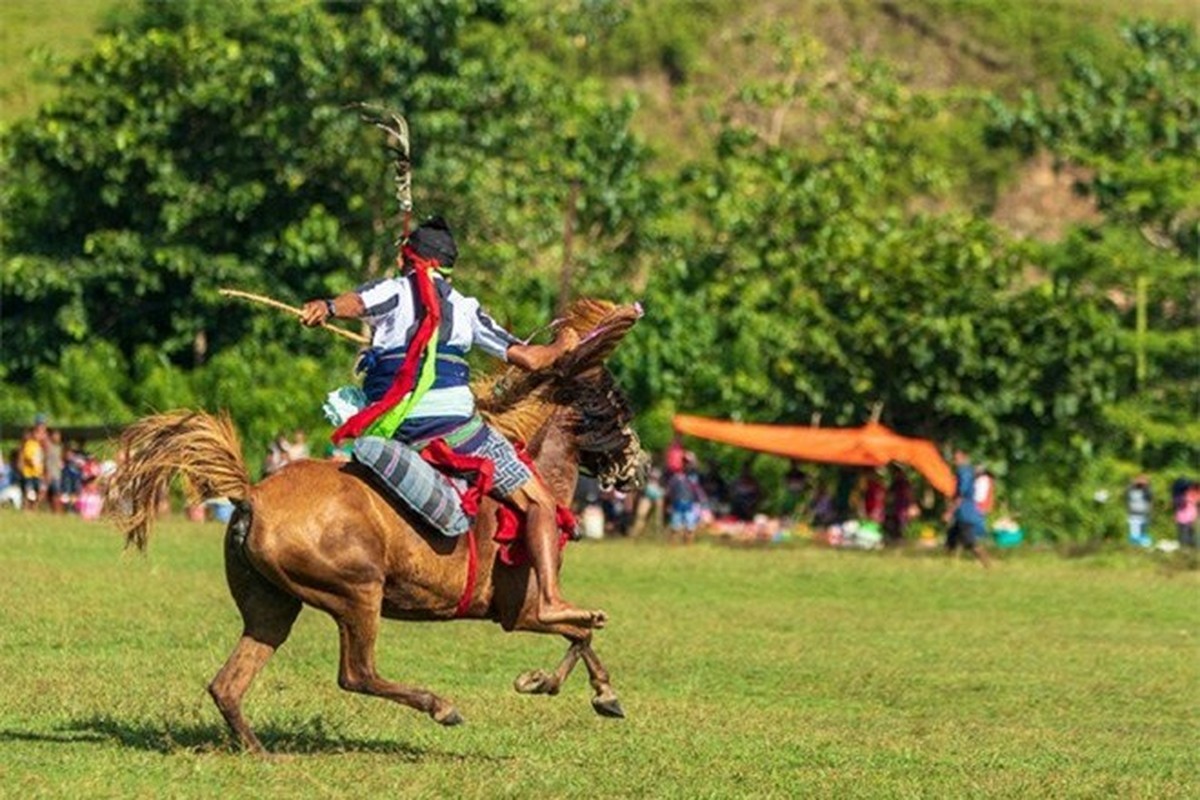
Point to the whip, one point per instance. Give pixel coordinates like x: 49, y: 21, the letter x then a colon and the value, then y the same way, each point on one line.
x: 267, y: 301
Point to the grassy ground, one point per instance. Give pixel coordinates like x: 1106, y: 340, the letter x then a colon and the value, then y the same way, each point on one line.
x: 30, y: 30
x: 793, y: 672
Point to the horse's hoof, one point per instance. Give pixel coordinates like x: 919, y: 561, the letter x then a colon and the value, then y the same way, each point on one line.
x: 535, y: 681
x: 449, y: 718
x: 608, y: 707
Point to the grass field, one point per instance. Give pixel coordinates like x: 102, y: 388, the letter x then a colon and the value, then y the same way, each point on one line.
x: 796, y: 672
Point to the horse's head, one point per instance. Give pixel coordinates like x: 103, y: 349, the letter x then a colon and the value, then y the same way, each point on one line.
x: 576, y: 395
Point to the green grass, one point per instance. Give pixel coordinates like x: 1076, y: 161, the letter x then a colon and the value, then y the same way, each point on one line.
x: 789, y: 672
x: 33, y: 29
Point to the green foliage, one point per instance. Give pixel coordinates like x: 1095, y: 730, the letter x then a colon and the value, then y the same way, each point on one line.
x: 811, y: 290
x: 1136, y: 125
x: 801, y: 263
x: 271, y: 388
x: 87, y: 386
x: 207, y: 145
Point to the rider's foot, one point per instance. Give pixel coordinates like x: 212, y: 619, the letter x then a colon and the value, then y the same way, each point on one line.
x: 549, y: 614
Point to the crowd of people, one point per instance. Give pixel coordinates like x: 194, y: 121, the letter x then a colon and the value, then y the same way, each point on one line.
x: 1184, y: 505
x: 283, y: 451
x: 680, y: 498
x: 844, y: 506
x: 45, y: 473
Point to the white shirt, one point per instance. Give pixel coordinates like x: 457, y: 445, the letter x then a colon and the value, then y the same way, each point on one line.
x: 390, y: 305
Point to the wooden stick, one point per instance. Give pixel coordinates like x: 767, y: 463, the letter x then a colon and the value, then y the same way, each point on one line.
x: 267, y: 301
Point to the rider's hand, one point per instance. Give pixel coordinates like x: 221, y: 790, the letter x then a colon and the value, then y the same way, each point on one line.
x: 567, y: 340
x: 315, y: 313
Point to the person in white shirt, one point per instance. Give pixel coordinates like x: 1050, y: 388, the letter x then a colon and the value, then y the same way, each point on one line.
x: 445, y: 408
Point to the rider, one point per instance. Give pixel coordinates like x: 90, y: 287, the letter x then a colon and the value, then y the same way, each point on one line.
x: 445, y: 406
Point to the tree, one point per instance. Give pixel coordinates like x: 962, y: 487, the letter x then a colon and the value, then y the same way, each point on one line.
x: 1136, y: 126
x: 810, y: 287
x: 204, y: 145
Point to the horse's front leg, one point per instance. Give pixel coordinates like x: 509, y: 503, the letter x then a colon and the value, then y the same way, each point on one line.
x: 605, y: 702
x: 524, y: 618
x: 537, y: 681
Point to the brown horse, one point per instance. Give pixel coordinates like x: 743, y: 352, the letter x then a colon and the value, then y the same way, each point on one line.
x: 318, y: 533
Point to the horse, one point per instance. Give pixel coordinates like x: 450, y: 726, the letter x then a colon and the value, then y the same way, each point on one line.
x: 319, y: 533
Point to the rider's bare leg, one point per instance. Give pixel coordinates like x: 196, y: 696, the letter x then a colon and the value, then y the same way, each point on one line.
x: 541, y: 537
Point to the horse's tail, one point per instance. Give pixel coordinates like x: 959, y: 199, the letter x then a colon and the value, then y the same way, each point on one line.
x: 202, y: 448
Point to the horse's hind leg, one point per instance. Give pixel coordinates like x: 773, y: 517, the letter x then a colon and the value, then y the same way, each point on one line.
x: 268, y: 615
x: 358, y: 627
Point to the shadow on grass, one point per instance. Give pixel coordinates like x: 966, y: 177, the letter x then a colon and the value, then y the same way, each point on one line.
x: 309, y: 737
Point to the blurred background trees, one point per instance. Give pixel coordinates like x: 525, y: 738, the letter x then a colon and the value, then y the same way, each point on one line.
x: 811, y: 228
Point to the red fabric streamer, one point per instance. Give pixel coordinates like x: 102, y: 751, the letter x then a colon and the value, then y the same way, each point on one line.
x: 442, y: 456
x: 406, y: 377
x: 510, y: 526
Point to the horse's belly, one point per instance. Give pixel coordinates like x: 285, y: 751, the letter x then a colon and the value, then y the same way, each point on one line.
x: 410, y: 602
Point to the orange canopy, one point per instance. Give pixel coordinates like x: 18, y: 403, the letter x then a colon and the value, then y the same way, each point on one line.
x: 872, y: 445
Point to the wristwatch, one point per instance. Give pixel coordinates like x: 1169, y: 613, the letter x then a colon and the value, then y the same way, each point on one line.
x: 329, y: 309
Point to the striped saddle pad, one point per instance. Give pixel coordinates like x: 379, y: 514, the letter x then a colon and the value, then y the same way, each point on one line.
x: 416, y: 484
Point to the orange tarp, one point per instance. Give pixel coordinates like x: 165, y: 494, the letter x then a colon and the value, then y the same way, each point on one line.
x: 872, y: 445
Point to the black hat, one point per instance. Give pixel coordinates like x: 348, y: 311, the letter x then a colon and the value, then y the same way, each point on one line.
x: 432, y: 239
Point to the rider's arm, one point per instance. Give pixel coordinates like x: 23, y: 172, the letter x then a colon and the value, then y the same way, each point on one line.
x: 348, y: 306
x: 492, y: 338
x: 532, y: 357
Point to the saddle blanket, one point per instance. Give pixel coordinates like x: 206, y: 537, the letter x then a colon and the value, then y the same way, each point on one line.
x: 430, y: 494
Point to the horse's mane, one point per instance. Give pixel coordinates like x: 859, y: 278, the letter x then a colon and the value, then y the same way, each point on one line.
x: 519, y: 403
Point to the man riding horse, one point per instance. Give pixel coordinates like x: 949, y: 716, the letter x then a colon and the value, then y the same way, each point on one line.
x: 417, y: 380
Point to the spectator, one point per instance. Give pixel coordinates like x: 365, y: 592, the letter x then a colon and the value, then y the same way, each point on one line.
x: 650, y: 504
x: 72, y: 476
x: 901, y: 507
x: 10, y: 488
x: 587, y: 507
x: 277, y: 455
x: 843, y: 495
x: 1186, y: 503
x: 33, y: 467
x: 1138, y: 502
x: 874, y: 494
x: 618, y: 511
x: 744, y: 495
x: 684, y: 499
x: 795, y: 485
x: 674, y: 457
x: 53, y: 456
x: 297, y: 449
x: 966, y: 523
x: 985, y: 492
x: 712, y: 484
x: 822, y: 509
